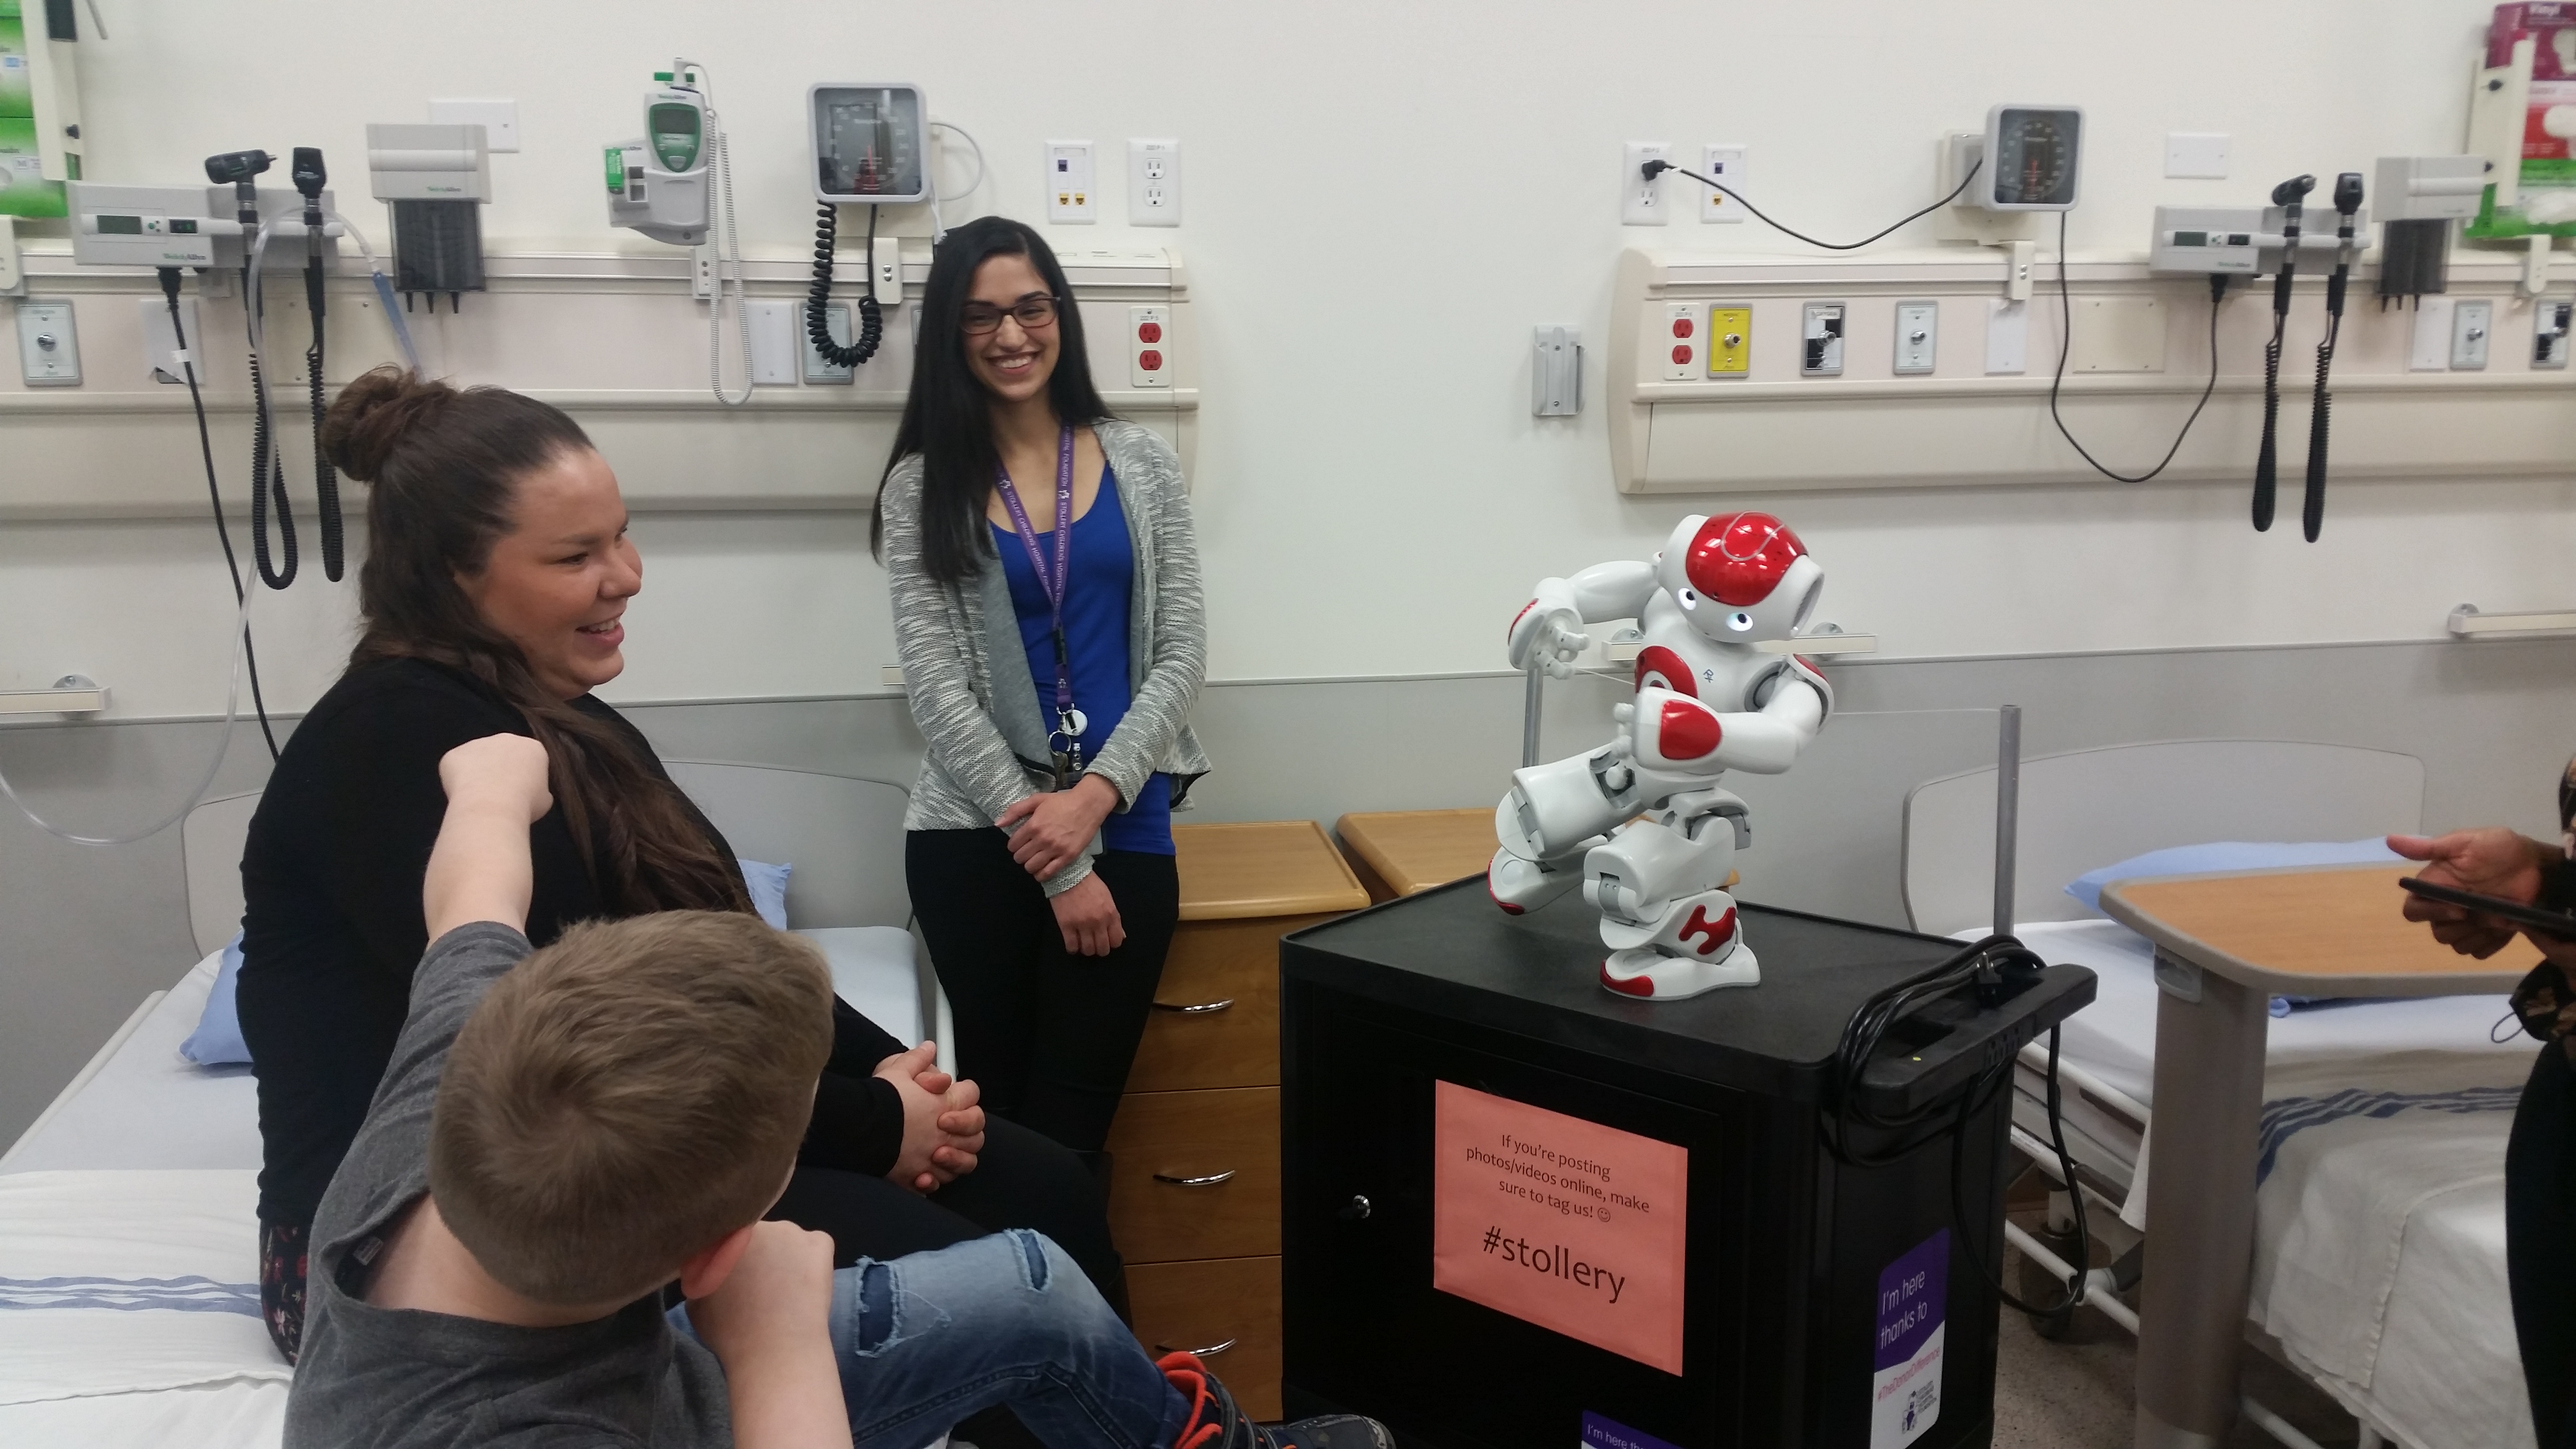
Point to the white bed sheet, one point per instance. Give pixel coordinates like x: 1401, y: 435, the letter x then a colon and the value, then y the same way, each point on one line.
x: 149, y: 1107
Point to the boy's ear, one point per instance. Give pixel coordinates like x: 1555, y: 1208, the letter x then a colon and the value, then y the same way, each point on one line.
x: 706, y: 1270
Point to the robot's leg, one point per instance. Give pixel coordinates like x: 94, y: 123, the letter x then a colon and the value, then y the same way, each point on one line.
x: 1697, y: 945
x: 1553, y: 814
x: 1518, y: 884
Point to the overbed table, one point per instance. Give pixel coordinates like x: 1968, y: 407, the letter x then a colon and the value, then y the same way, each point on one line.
x: 2225, y: 945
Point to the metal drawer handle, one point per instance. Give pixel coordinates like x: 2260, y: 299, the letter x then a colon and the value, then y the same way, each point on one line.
x: 1209, y: 1352
x: 1202, y: 1009
x: 1209, y: 1181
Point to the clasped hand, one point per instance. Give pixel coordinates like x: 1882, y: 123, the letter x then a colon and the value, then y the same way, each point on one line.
x: 943, y: 1127
x: 1052, y: 830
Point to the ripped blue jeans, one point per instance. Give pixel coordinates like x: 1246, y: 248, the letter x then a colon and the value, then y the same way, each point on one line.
x: 928, y: 1338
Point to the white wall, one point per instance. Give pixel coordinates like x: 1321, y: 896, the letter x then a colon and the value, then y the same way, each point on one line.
x: 1381, y: 200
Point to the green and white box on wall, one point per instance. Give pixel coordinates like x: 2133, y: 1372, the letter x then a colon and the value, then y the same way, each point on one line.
x: 24, y: 189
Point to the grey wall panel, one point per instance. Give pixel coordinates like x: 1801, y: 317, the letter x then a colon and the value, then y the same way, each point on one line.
x: 85, y: 933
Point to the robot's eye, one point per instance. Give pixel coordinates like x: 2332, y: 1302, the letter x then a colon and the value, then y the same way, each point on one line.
x: 1688, y: 597
x: 1739, y: 621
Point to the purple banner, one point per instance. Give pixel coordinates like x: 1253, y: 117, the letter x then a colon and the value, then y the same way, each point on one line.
x: 1601, y: 1433
x: 1912, y: 1296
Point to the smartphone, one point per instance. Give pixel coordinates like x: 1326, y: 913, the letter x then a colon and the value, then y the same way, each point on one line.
x: 2558, y: 924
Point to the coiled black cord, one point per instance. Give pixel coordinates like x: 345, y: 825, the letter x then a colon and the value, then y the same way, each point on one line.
x: 215, y: 495
x: 267, y: 476
x: 818, y: 320
x: 326, y: 479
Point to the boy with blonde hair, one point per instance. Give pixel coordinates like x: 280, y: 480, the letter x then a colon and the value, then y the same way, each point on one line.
x: 561, y: 1133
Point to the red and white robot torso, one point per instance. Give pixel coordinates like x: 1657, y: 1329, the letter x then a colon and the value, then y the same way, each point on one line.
x: 1715, y: 690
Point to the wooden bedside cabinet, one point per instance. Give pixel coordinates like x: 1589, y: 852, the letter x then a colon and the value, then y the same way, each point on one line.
x: 1194, y: 1191
x: 1405, y: 852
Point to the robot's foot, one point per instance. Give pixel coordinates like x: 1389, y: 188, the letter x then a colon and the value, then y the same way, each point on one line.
x: 1519, y: 885
x: 1648, y: 974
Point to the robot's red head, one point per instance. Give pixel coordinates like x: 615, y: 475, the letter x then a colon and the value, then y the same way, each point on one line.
x: 1739, y: 560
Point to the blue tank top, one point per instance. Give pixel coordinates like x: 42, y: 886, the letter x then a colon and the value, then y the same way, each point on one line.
x: 1100, y: 577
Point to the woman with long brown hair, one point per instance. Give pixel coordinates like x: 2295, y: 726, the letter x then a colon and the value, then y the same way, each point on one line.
x: 492, y: 596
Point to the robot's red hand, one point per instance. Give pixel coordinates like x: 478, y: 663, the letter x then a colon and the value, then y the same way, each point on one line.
x: 1672, y: 729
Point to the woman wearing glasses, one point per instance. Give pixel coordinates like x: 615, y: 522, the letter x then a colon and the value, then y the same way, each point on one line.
x: 1046, y: 604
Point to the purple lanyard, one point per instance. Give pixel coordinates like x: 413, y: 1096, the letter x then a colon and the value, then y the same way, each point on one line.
x: 1052, y: 581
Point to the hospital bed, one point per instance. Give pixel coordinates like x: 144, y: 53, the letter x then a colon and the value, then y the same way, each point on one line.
x: 2379, y: 1266
x: 129, y: 1297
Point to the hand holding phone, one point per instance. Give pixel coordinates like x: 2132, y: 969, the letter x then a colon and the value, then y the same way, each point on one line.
x: 2540, y: 920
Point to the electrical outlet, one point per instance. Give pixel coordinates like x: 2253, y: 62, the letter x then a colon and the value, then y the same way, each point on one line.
x: 1918, y: 337
x: 2550, y: 324
x: 1721, y: 163
x: 704, y: 280
x: 1730, y: 341
x: 2007, y: 337
x: 1681, y: 340
x: 820, y: 371
x: 1153, y: 183
x: 2472, y: 320
x: 1149, y: 347
x: 1641, y: 202
x: 1820, y: 336
x: 48, y: 343
x: 1069, y: 183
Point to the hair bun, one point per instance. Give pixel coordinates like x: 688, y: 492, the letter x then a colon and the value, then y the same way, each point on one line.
x: 374, y: 413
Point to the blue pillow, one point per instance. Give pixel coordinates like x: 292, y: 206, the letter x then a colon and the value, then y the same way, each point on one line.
x: 768, y: 890
x: 2228, y: 855
x: 217, y: 1041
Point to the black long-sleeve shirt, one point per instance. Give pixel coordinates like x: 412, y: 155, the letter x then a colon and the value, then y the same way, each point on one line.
x: 333, y: 925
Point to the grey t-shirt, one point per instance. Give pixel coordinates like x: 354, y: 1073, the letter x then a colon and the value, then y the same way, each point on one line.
x: 389, y: 1377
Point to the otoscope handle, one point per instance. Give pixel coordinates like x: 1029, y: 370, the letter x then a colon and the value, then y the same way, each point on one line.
x: 2312, y: 509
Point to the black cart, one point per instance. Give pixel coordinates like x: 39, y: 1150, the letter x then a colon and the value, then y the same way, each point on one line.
x: 1812, y: 1293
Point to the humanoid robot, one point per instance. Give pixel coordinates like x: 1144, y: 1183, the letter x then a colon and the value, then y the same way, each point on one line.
x: 1716, y: 690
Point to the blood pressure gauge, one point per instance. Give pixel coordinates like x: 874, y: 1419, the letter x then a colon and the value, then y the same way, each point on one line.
x: 870, y: 143
x: 2031, y: 155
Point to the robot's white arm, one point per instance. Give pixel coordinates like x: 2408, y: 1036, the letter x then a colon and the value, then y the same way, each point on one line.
x: 1766, y: 741
x: 1551, y: 624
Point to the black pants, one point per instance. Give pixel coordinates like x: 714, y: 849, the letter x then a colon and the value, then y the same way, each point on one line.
x: 1048, y: 1034
x: 1022, y: 1180
x: 2540, y: 1243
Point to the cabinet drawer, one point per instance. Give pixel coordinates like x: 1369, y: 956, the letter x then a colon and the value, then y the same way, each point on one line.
x: 1215, y: 1021
x: 1163, y: 1150
x: 1219, y: 1301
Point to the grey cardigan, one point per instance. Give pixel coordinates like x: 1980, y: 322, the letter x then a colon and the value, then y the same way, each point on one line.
x: 966, y: 673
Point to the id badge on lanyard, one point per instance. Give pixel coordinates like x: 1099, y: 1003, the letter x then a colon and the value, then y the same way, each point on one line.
x: 1064, y: 741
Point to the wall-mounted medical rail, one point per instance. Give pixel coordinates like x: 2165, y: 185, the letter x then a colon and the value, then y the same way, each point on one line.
x: 2467, y: 623
x: 71, y: 694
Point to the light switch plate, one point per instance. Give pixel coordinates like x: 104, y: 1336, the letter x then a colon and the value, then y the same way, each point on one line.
x: 885, y: 271
x: 2196, y: 155
x: 2007, y: 337
x: 1556, y: 372
x: 161, y: 343
x: 48, y: 343
x: 1720, y: 162
x: 1069, y: 183
x: 2472, y: 329
x: 2550, y: 323
x: 1918, y: 337
x: 499, y: 120
x: 2428, y: 348
x: 1153, y: 182
x: 774, y: 353
x: 819, y: 371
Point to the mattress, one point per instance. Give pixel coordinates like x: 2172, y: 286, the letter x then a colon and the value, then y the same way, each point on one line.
x: 148, y: 1107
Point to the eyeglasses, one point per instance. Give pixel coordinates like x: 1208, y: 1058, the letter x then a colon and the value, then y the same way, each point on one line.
x: 1033, y: 311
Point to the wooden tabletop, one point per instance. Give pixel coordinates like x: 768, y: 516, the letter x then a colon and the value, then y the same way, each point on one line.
x: 1414, y: 850
x: 1262, y: 868
x: 2335, y: 931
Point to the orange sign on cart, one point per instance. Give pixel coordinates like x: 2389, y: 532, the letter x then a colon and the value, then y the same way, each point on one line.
x: 1565, y: 1223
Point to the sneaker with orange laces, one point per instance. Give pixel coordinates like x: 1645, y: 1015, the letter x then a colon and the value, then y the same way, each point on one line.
x: 1216, y: 1422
